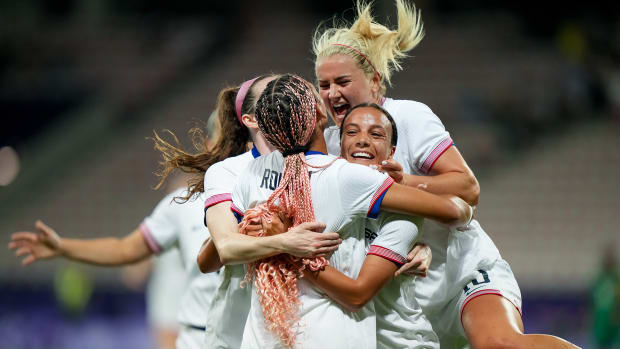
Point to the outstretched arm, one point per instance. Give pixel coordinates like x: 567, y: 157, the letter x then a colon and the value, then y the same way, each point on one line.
x: 305, y: 240
x: 46, y: 243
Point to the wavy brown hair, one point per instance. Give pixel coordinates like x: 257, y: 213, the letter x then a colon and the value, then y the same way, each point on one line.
x: 232, y: 140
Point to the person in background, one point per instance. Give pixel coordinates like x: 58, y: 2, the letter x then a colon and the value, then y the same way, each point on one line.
x: 605, y: 302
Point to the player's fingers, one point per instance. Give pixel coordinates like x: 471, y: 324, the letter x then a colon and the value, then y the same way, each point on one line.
x: 409, y: 266
x: 42, y: 227
x: 22, y: 251
x: 391, y: 165
x: 18, y: 244
x: 24, y: 235
x: 317, y: 227
x: 330, y: 238
x: 29, y: 260
x: 416, y: 273
x: 332, y: 244
x: 327, y: 249
x: 411, y: 255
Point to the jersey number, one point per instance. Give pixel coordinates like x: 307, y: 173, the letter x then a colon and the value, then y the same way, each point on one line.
x: 475, y: 282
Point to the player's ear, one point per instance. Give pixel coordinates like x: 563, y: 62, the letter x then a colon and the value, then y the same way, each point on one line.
x: 375, y: 85
x: 321, y: 113
x: 392, y: 151
x: 249, y: 120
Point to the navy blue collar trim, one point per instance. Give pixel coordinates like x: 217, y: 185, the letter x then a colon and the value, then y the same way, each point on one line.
x: 255, y: 152
x: 314, y: 152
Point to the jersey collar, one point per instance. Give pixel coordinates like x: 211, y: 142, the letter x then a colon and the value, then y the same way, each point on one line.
x: 255, y: 152
x: 314, y: 152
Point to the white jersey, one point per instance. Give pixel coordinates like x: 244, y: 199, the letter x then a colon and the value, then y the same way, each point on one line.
x: 231, y: 304
x: 180, y: 225
x: 165, y: 289
x: 343, y: 194
x: 400, y: 320
x: 457, y: 256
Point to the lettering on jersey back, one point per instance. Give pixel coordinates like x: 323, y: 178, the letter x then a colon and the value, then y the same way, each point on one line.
x: 271, y: 179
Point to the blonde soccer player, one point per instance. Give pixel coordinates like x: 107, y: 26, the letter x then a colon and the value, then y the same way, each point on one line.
x: 470, y: 293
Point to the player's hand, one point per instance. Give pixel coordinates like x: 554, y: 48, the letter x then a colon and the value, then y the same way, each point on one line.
x: 278, y: 224
x: 393, y: 169
x: 418, y: 261
x: 254, y: 227
x: 308, y: 240
x: 42, y: 245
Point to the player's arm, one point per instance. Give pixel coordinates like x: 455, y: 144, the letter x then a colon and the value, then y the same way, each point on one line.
x: 449, y: 175
x: 452, y: 211
x: 208, y: 259
x: 353, y: 294
x: 46, y: 243
x: 305, y: 240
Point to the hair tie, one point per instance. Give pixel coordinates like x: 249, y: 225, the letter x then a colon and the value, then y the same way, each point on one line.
x: 296, y: 150
x: 361, y: 54
x: 243, y: 91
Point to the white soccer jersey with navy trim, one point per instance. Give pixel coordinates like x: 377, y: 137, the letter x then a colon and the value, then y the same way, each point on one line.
x: 400, y: 321
x: 343, y: 195
x: 230, y: 306
x: 422, y: 138
x: 457, y: 256
x: 179, y: 225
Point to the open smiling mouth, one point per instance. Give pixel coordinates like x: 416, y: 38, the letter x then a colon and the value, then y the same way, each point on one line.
x: 362, y: 155
x: 341, y: 109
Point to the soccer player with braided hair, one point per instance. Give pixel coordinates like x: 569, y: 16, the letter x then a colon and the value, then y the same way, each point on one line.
x: 215, y: 169
x: 354, y: 64
x: 300, y: 181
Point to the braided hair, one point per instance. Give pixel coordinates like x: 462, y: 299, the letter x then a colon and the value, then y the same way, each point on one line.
x: 286, y: 115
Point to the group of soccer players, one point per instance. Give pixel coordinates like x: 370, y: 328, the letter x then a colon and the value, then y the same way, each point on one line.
x: 312, y: 228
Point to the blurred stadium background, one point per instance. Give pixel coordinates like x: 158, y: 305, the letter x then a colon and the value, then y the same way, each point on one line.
x: 530, y: 92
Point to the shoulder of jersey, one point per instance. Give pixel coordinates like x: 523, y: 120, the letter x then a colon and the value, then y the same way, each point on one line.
x: 397, y: 106
x: 230, y: 162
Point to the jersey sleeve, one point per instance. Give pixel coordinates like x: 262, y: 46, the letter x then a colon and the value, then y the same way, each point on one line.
x: 396, y: 236
x: 427, y: 137
x: 362, y: 189
x: 218, y: 184
x: 159, y: 229
x: 239, y: 196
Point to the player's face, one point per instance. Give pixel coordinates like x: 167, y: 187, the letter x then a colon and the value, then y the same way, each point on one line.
x: 342, y: 85
x: 366, y: 137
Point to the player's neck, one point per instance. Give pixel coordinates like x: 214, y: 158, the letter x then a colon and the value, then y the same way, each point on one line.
x: 261, y: 143
x: 318, y: 143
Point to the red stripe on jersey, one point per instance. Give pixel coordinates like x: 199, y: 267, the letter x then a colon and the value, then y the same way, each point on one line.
x: 387, y: 254
x: 482, y: 293
x: 435, y: 154
x: 385, y: 186
x: 237, y: 210
x: 149, y: 239
x: 216, y: 199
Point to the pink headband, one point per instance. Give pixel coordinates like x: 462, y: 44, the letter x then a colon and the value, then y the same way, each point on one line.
x: 361, y: 54
x: 243, y: 91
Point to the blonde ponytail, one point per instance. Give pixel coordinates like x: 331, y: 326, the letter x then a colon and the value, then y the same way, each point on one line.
x: 375, y: 48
